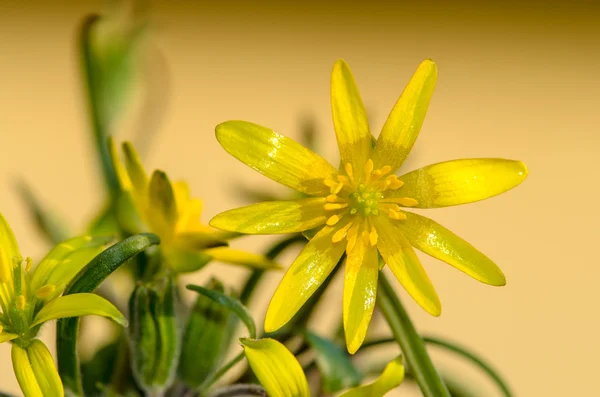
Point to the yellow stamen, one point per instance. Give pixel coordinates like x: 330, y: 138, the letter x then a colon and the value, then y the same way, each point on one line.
x: 404, y: 201
x: 20, y: 302
x: 399, y: 216
x: 396, y: 183
x: 389, y: 206
x: 340, y: 234
x: 333, y: 220
x: 352, y: 235
x: 28, y: 264
x: 45, y: 291
x: 373, y: 237
x: 334, y: 206
x: 368, y: 170
x: 337, y: 188
x: 332, y: 198
x: 348, y: 168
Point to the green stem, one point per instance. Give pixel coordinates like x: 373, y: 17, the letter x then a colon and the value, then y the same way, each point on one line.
x: 410, y: 342
x: 222, y: 371
x: 430, y: 340
x: 99, y: 127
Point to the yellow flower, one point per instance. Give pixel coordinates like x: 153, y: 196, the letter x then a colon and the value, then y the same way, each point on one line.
x: 360, y: 207
x: 281, y: 374
x: 166, y: 209
x: 31, y: 296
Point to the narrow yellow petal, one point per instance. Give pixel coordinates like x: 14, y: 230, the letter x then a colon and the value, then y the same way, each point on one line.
x: 7, y: 336
x: 305, y: 275
x: 279, y: 158
x: 35, y: 371
x: 406, y: 118
x: 274, y: 217
x: 349, y: 119
x: 77, y: 305
x: 439, y: 242
x: 241, y: 258
x: 135, y: 169
x: 460, y: 181
x: 404, y: 263
x: 360, y: 291
x: 276, y: 368
x: 9, y: 251
x: 122, y: 174
x: 162, y: 211
x: 391, y: 377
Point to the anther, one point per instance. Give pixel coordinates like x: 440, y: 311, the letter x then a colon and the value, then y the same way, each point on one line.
x: 373, y: 237
x: 28, y: 264
x: 334, y: 206
x: 399, y: 216
x: 45, y: 291
x: 20, y: 302
x: 340, y: 234
x: 348, y: 168
x: 333, y: 220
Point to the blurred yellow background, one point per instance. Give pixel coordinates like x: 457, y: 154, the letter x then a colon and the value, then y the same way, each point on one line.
x: 516, y: 80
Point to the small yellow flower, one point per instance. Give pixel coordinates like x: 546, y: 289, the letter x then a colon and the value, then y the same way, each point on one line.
x: 281, y: 374
x: 360, y: 207
x: 166, y: 209
x: 31, y: 296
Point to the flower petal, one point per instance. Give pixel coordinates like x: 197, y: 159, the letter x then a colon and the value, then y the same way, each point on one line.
x: 279, y: 158
x: 77, y: 305
x: 439, y: 242
x: 349, y: 118
x: 360, y: 291
x: 303, y: 278
x: 35, y: 371
x: 65, y: 260
x: 9, y: 251
x: 162, y: 208
x: 135, y: 169
x: 404, y: 122
x: 392, y: 377
x: 182, y: 260
x: 460, y: 181
x: 274, y: 217
x: 404, y: 263
x: 276, y: 368
x: 242, y: 258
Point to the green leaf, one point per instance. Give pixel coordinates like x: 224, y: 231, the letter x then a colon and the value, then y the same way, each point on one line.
x: 410, y: 342
x: 334, y: 364
x: 49, y: 224
x: 97, y: 371
x: 232, y: 304
x: 87, y: 280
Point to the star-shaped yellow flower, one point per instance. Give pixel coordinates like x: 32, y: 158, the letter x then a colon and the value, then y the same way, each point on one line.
x: 31, y: 296
x: 360, y: 207
x: 155, y: 204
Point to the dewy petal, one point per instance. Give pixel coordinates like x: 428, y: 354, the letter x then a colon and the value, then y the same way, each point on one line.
x: 360, y: 291
x: 349, y: 118
x: 280, y: 158
x: 404, y: 122
x: 274, y: 217
x: 35, y: 370
x: 77, y: 305
x: 439, y: 242
x: 404, y: 263
x: 241, y: 258
x: 460, y: 181
x: 9, y: 251
x: 276, y: 368
x: 303, y: 278
x: 391, y: 377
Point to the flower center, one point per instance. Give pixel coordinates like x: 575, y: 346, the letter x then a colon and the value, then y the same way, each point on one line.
x: 357, y: 199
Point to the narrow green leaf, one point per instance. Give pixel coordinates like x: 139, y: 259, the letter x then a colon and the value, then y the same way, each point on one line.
x: 87, y: 280
x: 98, y: 370
x: 334, y: 364
x: 233, y: 304
x: 410, y: 342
